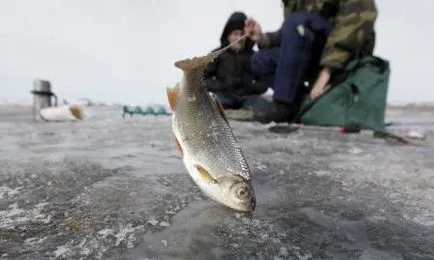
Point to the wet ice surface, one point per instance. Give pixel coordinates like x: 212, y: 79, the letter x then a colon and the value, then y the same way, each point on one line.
x: 109, y: 188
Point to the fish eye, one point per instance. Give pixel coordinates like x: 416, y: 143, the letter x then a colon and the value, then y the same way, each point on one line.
x: 242, y: 193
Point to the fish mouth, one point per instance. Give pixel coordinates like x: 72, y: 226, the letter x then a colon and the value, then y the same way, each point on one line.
x: 252, y: 204
x: 249, y: 206
x: 244, y: 197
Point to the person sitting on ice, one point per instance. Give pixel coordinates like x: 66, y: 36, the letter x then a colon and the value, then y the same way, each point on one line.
x: 315, y: 43
x: 230, y: 75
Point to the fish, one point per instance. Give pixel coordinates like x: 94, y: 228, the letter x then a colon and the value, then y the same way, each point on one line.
x: 205, y: 140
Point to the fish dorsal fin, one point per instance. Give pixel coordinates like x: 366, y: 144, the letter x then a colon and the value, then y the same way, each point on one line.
x: 197, y: 62
x: 172, y: 95
x: 219, y: 106
x: 204, y: 174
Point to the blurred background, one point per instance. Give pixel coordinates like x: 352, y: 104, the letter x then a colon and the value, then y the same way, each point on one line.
x: 123, y: 51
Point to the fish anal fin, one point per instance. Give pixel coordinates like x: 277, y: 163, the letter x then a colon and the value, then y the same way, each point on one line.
x: 205, y: 174
x: 178, y: 146
x: 172, y: 95
x: 219, y: 107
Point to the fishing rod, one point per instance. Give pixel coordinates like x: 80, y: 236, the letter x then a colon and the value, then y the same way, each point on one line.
x: 292, y: 127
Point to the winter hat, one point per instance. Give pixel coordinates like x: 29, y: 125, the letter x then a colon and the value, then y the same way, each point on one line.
x: 235, y: 22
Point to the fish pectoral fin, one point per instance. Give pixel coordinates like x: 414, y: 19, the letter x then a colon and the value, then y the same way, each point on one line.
x: 172, y: 95
x: 178, y: 146
x: 219, y: 106
x: 205, y: 174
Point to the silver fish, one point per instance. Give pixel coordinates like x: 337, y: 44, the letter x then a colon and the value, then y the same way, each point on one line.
x: 204, y: 138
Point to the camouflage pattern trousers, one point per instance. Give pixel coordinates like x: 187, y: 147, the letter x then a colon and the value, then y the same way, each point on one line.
x: 296, y: 59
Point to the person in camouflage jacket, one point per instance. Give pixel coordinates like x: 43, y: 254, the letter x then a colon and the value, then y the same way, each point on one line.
x: 314, y: 44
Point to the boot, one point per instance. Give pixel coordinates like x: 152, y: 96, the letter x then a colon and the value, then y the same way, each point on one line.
x: 277, y: 112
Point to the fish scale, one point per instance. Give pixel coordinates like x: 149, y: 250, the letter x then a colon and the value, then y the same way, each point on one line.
x: 222, y: 152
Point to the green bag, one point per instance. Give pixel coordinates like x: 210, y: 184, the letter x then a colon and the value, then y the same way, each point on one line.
x: 357, y: 101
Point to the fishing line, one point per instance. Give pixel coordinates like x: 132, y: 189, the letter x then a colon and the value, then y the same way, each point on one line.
x: 220, y: 51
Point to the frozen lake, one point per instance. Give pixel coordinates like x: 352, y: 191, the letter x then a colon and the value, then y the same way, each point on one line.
x: 113, y: 188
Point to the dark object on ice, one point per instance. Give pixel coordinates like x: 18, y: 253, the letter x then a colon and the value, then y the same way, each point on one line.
x: 42, y: 95
x: 290, y: 128
x: 283, y: 129
x: 359, y: 98
x: 160, y: 110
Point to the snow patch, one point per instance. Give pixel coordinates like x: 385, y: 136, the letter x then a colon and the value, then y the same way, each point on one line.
x: 5, y: 191
x: 16, y: 215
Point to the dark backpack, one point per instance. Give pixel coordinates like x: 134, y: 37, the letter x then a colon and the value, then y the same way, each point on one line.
x: 359, y: 100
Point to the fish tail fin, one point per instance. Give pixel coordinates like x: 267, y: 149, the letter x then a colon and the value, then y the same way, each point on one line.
x: 197, y: 62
